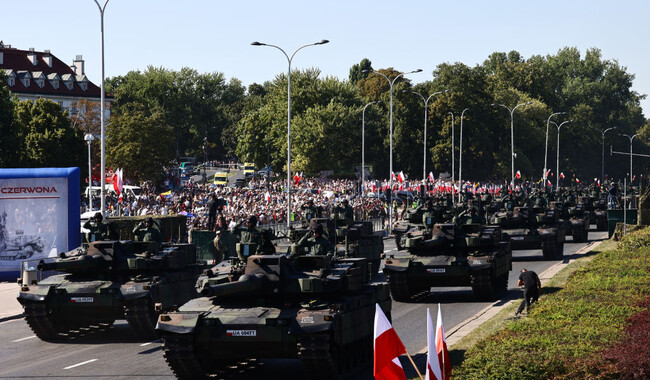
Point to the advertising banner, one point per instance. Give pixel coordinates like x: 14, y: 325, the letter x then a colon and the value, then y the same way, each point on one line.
x: 39, y: 215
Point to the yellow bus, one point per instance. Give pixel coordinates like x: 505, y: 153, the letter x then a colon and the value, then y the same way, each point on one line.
x: 249, y: 168
x: 220, y: 179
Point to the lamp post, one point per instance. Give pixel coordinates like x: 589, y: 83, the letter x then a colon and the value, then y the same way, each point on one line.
x: 101, y: 112
x: 89, y: 138
x: 631, y: 138
x: 460, y: 155
x: 544, y: 176
x: 557, y: 164
x: 512, y: 136
x: 426, y: 114
x: 391, y: 83
x: 363, y: 145
x: 205, y: 159
x: 289, y: 59
x: 602, y: 169
x: 452, y: 146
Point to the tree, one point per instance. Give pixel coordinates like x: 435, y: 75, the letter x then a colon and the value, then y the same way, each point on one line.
x: 10, y: 142
x: 49, y: 139
x: 356, y: 71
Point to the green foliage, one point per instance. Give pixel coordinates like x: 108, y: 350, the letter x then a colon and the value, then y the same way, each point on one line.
x: 48, y: 138
x: 9, y: 143
x: 568, y: 330
x: 356, y: 71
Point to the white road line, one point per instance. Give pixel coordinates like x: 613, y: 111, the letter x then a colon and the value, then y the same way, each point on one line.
x: 21, y: 339
x: 148, y: 343
x: 80, y: 364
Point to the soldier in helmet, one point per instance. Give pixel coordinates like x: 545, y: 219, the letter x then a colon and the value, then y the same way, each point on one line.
x: 316, y: 243
x: 98, y: 230
x: 346, y: 211
x: 311, y: 211
x: 252, y: 235
x: 148, y: 231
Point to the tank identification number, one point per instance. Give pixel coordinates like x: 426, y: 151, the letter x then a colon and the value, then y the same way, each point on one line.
x: 517, y: 238
x: 81, y: 299
x: 241, y: 333
x: 436, y: 270
x: 307, y: 320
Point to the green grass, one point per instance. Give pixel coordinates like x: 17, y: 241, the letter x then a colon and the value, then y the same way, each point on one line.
x: 569, y: 328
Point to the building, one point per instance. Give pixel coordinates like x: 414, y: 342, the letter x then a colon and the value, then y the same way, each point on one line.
x: 32, y: 75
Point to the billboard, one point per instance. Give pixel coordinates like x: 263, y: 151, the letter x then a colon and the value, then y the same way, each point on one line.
x: 39, y: 215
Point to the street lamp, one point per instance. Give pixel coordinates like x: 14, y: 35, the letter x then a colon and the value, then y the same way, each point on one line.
x: 426, y: 105
x: 544, y: 176
x: 460, y: 155
x: 557, y: 165
x: 363, y: 145
x: 89, y: 138
x: 101, y: 112
x: 205, y: 160
x: 602, y: 170
x: 289, y: 59
x: 391, y: 83
x: 631, y: 138
x: 452, y: 146
x: 512, y: 136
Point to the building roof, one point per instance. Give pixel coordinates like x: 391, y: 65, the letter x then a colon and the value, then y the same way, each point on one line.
x: 20, y: 63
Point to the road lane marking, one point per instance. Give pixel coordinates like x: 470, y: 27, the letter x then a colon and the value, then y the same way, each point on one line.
x: 148, y: 343
x: 21, y: 339
x: 80, y: 364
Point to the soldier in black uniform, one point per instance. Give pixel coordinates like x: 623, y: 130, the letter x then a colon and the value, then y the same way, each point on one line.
x: 98, y: 230
x: 532, y: 289
x: 212, y: 206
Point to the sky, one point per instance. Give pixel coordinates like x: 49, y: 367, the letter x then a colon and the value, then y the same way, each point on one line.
x: 216, y: 36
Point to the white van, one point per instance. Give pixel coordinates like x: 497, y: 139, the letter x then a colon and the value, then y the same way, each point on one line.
x: 108, y: 188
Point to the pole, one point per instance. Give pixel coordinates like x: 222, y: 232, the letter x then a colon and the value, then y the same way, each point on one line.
x: 602, y: 171
x: 544, y: 176
x: 363, y: 145
x: 460, y: 156
x: 557, y: 167
x: 512, y: 137
x: 631, y: 138
x: 289, y: 59
x: 90, y: 182
x: 101, y: 113
x: 452, y: 146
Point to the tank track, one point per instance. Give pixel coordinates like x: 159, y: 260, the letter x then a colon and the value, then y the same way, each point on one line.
x: 178, y: 351
x: 485, y: 287
x: 399, y: 287
x: 41, y: 322
x: 323, y: 359
x: 141, y: 317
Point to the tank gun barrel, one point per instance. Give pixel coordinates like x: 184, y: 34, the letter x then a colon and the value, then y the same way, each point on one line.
x: 247, y: 283
x: 74, y: 264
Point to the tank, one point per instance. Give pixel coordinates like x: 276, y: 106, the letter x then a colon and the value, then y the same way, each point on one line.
x: 580, y: 220
x: 451, y: 255
x: 317, y: 309
x: 18, y: 246
x: 359, y: 240
x: 533, y: 228
x: 109, y: 280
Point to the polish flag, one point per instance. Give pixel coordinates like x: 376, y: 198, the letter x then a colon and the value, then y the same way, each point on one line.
x: 518, y: 174
x: 433, y: 365
x: 267, y: 196
x: 388, y: 348
x: 441, y: 348
x: 549, y: 183
x: 548, y: 172
x: 431, y: 179
x: 562, y: 175
x: 400, y: 177
x: 392, y: 176
x: 118, y: 182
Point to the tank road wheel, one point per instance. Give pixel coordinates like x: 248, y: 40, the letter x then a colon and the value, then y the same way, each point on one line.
x: 142, y: 317
x: 42, y: 323
x: 399, y: 287
x: 549, y: 249
x: 487, y: 288
x: 319, y: 359
x: 178, y: 351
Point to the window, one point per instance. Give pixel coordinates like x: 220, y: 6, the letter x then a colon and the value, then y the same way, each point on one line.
x: 12, y: 81
x: 25, y: 82
x: 69, y: 84
x: 55, y: 84
x: 83, y: 85
x: 40, y: 83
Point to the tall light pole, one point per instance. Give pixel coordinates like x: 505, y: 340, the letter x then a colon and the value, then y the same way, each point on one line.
x: 101, y: 112
x: 363, y: 145
x: 89, y: 138
x: 460, y: 155
x: 426, y: 114
x: 512, y: 136
x: 631, y: 138
x: 602, y: 169
x: 452, y: 146
x: 391, y: 83
x: 289, y: 59
x: 544, y: 176
x: 557, y: 165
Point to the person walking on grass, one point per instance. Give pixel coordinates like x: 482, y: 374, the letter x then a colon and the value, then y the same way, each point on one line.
x: 532, y: 289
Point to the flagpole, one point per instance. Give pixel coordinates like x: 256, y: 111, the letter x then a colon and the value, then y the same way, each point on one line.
x: 413, y: 363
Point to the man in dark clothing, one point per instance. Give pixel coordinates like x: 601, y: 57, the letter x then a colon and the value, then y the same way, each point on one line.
x: 212, y: 211
x: 532, y: 289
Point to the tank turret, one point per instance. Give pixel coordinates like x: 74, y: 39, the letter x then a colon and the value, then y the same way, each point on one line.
x: 81, y: 263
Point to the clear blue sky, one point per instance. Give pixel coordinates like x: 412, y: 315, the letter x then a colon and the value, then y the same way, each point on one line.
x: 214, y: 36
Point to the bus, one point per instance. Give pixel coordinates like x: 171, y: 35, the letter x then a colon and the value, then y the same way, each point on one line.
x: 220, y: 179
x: 249, y: 169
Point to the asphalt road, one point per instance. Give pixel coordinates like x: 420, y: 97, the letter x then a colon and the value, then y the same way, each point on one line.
x: 114, y: 353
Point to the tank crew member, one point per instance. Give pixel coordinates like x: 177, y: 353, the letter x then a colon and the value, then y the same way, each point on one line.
x: 98, y: 230
x: 315, y: 242
x: 532, y: 289
x: 470, y: 216
x: 347, y: 211
x: 310, y: 211
x: 148, y: 231
x: 251, y: 235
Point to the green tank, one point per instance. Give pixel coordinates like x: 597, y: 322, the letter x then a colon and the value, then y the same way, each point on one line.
x: 109, y: 280
x: 314, y: 308
x: 451, y: 255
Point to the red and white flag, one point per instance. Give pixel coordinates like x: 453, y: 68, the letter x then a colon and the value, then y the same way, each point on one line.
x: 562, y: 175
x: 388, y: 348
x: 441, y: 347
x: 548, y: 172
x: 118, y: 182
x: 400, y: 177
x: 433, y: 363
x: 392, y: 176
x: 297, y: 178
x: 518, y: 174
x: 431, y: 179
x: 267, y: 196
